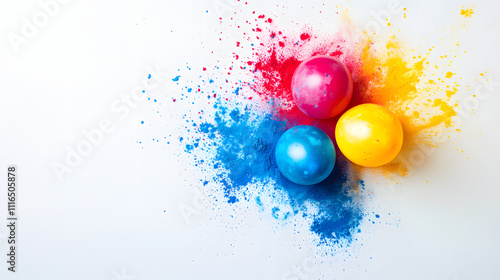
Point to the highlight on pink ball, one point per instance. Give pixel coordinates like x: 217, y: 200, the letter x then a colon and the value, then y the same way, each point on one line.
x: 322, y: 87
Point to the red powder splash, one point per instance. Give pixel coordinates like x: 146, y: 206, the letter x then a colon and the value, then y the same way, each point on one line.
x: 275, y: 63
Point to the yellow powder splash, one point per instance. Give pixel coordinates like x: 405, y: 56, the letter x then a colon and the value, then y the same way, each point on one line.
x: 416, y: 85
x: 401, y: 84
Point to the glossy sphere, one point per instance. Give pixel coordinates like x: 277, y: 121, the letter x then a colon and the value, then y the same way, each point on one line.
x: 322, y: 87
x: 305, y: 155
x: 369, y: 135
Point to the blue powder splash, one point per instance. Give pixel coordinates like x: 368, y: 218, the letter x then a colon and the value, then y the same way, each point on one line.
x: 244, y: 145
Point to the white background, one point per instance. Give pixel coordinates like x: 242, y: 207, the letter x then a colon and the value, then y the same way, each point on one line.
x: 117, y: 213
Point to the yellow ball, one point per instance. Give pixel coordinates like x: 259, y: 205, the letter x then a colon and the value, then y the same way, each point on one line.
x: 369, y: 135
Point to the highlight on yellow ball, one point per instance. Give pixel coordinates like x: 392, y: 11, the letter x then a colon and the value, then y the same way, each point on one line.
x: 369, y: 135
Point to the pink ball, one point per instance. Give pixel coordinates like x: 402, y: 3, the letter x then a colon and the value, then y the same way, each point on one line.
x: 322, y: 87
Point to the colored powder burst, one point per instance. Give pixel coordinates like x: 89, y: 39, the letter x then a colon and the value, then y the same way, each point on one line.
x: 385, y: 76
x: 238, y: 140
x: 243, y: 140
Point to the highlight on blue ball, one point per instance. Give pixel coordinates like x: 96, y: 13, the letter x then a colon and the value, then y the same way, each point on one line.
x: 305, y: 155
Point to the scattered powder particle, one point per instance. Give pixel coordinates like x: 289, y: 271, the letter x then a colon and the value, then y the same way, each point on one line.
x: 304, y: 36
x: 467, y: 12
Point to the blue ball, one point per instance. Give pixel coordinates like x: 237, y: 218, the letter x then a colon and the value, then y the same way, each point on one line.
x: 305, y: 155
